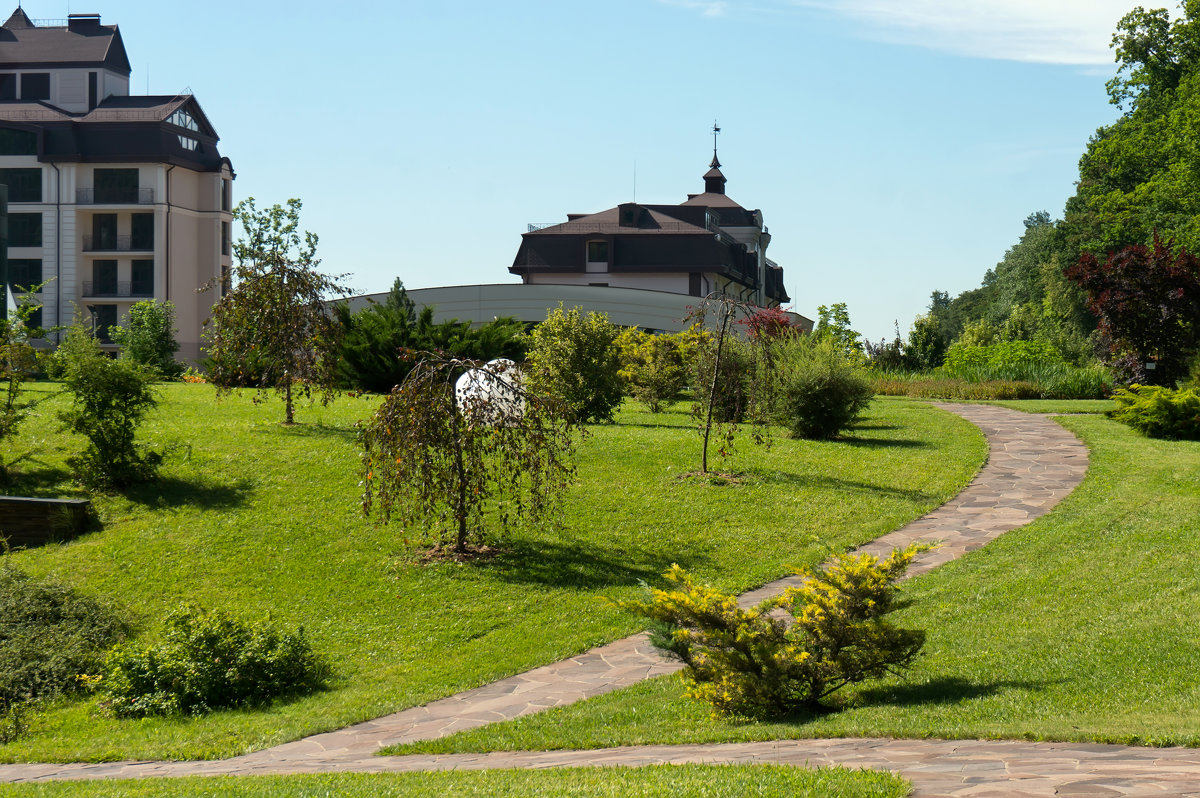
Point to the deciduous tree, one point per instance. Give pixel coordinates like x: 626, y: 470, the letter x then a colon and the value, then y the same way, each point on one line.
x: 273, y: 330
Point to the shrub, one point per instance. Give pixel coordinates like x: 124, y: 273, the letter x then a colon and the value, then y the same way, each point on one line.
x: 208, y: 661
x: 755, y: 663
x: 50, y: 637
x: 732, y: 388
x: 821, y: 390
x: 1159, y: 412
x: 574, y: 358
x: 652, y: 366
x: 1012, y: 360
x: 110, y: 399
x: 148, y: 337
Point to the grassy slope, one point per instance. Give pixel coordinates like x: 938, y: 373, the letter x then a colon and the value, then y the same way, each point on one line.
x: 662, y: 781
x: 258, y: 518
x: 1080, y: 626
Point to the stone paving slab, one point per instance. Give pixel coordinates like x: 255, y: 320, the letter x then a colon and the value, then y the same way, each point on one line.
x: 1032, y: 465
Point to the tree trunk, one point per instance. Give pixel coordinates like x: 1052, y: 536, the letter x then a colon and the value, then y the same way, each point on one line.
x: 712, y: 388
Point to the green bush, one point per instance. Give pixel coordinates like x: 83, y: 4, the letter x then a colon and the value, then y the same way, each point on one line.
x: 148, y: 337
x: 734, y: 380
x: 50, y: 637
x: 110, y: 398
x: 208, y: 661
x: 1159, y: 412
x: 652, y: 367
x: 574, y: 359
x: 1010, y: 360
x: 753, y: 662
x: 821, y: 390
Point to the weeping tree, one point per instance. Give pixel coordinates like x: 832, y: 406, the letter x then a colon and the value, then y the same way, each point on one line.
x: 272, y: 330
x: 460, y: 443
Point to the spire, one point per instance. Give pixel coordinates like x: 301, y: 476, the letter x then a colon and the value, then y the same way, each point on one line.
x: 714, y: 181
x: 19, y: 19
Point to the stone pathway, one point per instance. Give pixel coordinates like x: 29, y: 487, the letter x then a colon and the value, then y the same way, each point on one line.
x: 1033, y: 464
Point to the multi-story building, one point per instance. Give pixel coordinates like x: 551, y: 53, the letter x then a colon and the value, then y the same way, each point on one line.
x: 113, y: 198
x: 706, y: 244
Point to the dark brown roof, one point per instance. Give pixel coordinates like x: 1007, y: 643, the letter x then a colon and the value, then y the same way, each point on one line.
x: 650, y: 222
x: 83, y: 42
x: 708, y: 200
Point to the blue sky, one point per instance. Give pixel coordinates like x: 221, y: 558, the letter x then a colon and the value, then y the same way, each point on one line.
x: 894, y: 146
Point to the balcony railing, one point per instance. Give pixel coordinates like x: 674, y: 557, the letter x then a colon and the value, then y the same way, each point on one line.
x: 104, y: 243
x: 124, y: 288
x: 114, y: 196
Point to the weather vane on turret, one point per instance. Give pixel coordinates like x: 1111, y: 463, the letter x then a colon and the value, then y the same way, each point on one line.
x: 716, y: 131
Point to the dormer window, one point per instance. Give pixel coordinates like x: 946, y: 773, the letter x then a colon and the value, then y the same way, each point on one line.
x: 35, y: 86
x: 182, y: 118
x: 188, y: 143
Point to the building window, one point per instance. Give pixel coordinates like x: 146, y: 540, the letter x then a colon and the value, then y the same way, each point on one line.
x: 183, y: 119
x: 8, y: 86
x: 17, y: 142
x: 141, y: 231
x: 104, y: 232
x: 24, y: 185
x: 24, y: 229
x: 115, y: 185
x: 597, y: 251
x: 103, y: 317
x: 104, y: 278
x: 226, y: 249
x: 25, y: 274
x: 188, y: 143
x: 141, y: 278
x: 226, y: 196
x: 35, y: 86
x: 93, y: 91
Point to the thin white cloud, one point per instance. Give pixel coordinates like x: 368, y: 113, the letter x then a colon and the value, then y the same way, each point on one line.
x: 1073, y: 32
x: 708, y: 8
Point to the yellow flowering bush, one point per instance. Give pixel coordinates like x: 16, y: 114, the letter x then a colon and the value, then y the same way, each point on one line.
x: 760, y: 662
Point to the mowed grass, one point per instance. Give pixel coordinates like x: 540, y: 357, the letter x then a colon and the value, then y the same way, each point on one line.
x: 655, y: 781
x: 1081, y: 626
x: 1060, y: 406
x: 261, y: 519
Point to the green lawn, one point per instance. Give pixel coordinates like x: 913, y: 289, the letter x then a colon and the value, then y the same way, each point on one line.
x: 257, y: 518
x: 1070, y: 406
x: 1081, y: 626
x: 659, y: 781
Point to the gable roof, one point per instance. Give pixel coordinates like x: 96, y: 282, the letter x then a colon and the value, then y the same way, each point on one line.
x: 82, y: 42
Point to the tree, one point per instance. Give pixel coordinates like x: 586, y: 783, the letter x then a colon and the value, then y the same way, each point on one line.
x: 446, y: 464
x: 18, y: 362
x: 110, y: 398
x: 273, y: 330
x: 1148, y: 302
x: 833, y: 322
x: 574, y: 358
x: 148, y: 337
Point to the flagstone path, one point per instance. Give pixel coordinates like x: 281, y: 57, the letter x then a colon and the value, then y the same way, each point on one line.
x: 1033, y: 463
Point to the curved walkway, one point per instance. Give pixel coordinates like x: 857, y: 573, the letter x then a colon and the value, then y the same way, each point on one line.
x: 1033, y: 463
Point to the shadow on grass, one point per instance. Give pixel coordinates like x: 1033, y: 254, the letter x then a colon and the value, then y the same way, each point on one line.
x: 884, y: 443
x: 46, y: 482
x: 319, y: 430
x: 557, y: 564
x: 948, y: 690
x: 171, y: 492
x: 833, y: 483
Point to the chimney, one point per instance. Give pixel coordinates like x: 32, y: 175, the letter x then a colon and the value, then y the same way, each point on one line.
x: 83, y: 23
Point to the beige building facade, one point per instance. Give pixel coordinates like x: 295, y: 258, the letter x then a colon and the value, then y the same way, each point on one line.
x: 113, y: 198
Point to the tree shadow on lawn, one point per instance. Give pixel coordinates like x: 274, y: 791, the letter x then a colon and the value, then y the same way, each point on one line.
x: 884, y: 443
x: 46, y: 482
x: 320, y: 430
x: 571, y: 564
x: 819, y: 482
x: 172, y: 492
x: 946, y: 690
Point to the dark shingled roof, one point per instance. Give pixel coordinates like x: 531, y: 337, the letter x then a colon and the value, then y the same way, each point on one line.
x: 84, y: 42
x: 651, y: 221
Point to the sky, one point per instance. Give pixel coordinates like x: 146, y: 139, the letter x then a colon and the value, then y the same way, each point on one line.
x: 894, y: 146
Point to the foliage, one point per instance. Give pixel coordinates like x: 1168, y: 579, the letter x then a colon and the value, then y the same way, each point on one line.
x: 833, y: 322
x: 1005, y: 360
x: 148, y: 337
x: 926, y: 345
x: 1148, y: 302
x: 77, y: 346
x: 51, y: 639
x: 1158, y: 412
x: 983, y: 382
x: 272, y: 330
x: 653, y: 367
x: 444, y: 462
x: 574, y: 359
x: 208, y: 661
x: 821, y: 389
x: 769, y: 323
x: 110, y: 399
x: 752, y: 662
x: 935, y: 387
x: 372, y: 340
x: 18, y: 362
